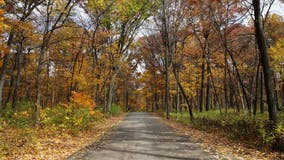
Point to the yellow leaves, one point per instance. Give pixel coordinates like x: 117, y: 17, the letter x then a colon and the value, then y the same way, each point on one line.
x: 2, y: 11
x: 82, y: 81
x: 83, y: 100
x: 24, y: 27
x: 278, y: 50
x: 128, y: 8
x: 97, y: 4
x: 277, y: 55
x: 3, y: 50
x: 3, y: 26
x: 50, y: 142
x: 274, y: 27
x: 16, y: 141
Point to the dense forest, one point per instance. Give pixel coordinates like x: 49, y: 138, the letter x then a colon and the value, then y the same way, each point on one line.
x: 212, y: 63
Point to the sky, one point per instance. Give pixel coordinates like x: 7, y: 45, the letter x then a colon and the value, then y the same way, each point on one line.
x: 278, y: 8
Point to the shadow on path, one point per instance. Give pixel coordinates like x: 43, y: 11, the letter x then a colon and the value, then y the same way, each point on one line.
x: 143, y: 136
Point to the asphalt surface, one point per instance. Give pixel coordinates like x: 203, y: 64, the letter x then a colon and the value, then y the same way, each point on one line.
x: 142, y: 136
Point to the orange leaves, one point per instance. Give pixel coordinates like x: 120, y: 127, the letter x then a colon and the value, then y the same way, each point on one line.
x: 81, y: 99
x: 3, y: 48
x: 2, y: 11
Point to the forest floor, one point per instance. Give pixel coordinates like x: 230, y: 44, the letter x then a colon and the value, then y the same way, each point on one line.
x: 58, y: 147
x: 135, y: 136
x: 217, y: 142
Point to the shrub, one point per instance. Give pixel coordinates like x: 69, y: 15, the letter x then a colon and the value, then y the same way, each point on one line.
x: 82, y: 100
x: 70, y: 118
x: 19, y: 118
x: 115, y: 110
x: 18, y: 133
x: 240, y: 126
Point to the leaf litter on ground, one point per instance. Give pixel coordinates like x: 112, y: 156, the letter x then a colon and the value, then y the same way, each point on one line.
x: 60, y: 146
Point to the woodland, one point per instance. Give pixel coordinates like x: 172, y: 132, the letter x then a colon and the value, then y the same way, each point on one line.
x: 67, y: 66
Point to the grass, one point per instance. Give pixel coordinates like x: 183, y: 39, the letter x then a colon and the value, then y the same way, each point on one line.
x: 115, y: 110
x: 254, y: 130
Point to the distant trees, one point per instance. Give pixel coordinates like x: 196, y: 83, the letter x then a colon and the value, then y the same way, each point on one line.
x: 52, y: 50
x: 221, y: 53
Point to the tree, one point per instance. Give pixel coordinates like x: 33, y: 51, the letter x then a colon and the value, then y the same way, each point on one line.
x: 132, y: 15
x: 24, y: 13
x: 53, y: 21
x: 262, y: 46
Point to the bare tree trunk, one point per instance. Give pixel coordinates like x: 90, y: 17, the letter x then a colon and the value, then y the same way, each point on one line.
x: 183, y: 93
x: 282, y: 92
x: 4, y: 70
x: 126, y: 95
x: 75, y: 60
x: 18, y: 75
x: 208, y: 87
x: 256, y: 90
x: 166, y: 57
x: 38, y: 86
x: 202, y: 83
x: 276, y: 93
x: 111, y: 90
x: 261, y: 93
x: 2, y: 78
x: 262, y: 46
x: 178, y: 98
x: 53, y: 94
x: 225, y: 82
x: 217, y: 98
x: 156, y: 96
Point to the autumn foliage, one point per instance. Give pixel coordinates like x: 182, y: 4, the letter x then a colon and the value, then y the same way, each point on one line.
x: 66, y: 65
x: 82, y: 100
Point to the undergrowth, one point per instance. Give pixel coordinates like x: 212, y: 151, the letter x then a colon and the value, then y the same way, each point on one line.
x: 253, y: 130
x: 115, y: 110
x: 18, y: 132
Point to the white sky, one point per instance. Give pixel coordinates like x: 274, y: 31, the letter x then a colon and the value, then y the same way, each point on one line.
x: 278, y: 8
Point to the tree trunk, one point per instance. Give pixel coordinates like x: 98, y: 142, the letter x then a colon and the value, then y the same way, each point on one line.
x: 166, y: 57
x: 178, y: 99
x: 126, y: 95
x: 183, y: 93
x: 202, y: 83
x: 208, y: 87
x: 225, y: 82
x: 18, y: 76
x: 261, y: 93
x: 111, y: 91
x: 2, y: 78
x: 38, y: 86
x: 262, y: 46
x: 256, y: 90
x: 276, y: 94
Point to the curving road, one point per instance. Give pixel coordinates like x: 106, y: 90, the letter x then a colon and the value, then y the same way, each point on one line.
x: 142, y: 136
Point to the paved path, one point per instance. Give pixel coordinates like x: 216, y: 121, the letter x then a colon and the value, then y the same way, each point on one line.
x: 141, y: 136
